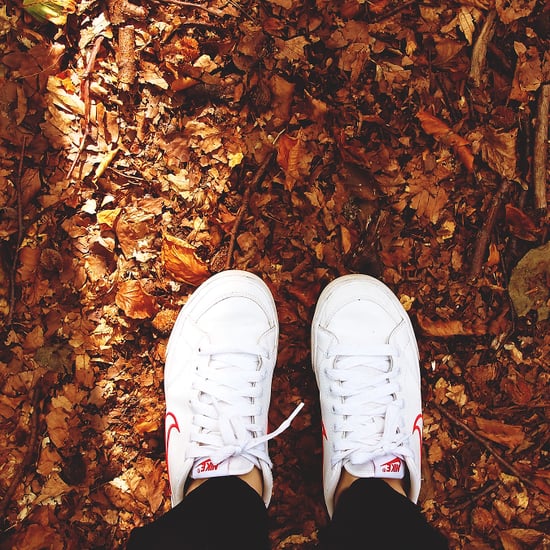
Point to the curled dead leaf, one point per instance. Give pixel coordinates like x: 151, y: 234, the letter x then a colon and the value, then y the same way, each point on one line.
x: 499, y: 432
x: 518, y: 539
x: 443, y: 133
x: 511, y: 10
x: 180, y: 260
x: 447, y: 328
x: 520, y: 224
x: 498, y: 149
x: 134, y: 301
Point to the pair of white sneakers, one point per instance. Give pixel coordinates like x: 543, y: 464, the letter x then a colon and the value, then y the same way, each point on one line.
x: 219, y: 366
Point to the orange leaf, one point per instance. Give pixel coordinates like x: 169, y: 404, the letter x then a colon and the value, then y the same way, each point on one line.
x: 520, y: 224
x: 147, y: 426
x: 134, y: 301
x: 497, y: 431
x: 446, y: 328
x: 180, y: 260
x: 29, y: 259
x: 443, y: 133
x: 284, y: 147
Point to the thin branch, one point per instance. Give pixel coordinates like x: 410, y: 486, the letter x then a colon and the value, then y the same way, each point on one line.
x: 503, y: 462
x: 244, y: 207
x: 541, y: 148
x: 473, y: 497
x: 31, y: 447
x: 392, y: 12
x: 211, y: 11
x: 479, y: 51
x: 482, y: 241
x: 20, y: 232
x: 85, y: 93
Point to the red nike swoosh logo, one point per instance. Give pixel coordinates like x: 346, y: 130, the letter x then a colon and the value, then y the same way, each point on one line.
x: 417, y: 427
x: 170, y: 417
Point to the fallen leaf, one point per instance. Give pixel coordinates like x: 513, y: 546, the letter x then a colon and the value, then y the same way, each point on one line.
x: 443, y: 133
x: 520, y: 224
x: 499, y: 432
x: 528, y: 75
x: 520, y: 539
x: 498, y: 149
x: 446, y: 328
x: 180, y: 260
x: 134, y: 301
x: 511, y: 10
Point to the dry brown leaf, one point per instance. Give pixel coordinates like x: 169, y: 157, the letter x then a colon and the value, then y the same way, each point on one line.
x: 498, y: 149
x: 134, y: 301
x: 57, y: 421
x: 520, y: 224
x: 528, y: 75
x: 37, y: 537
x: 519, y: 539
x: 34, y: 339
x: 180, y: 260
x: 378, y: 6
x: 447, y: 328
x: 511, y: 10
x: 499, y: 432
x: 443, y: 133
x: 283, y: 94
x: 292, y: 50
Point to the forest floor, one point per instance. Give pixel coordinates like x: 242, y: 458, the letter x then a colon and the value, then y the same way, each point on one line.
x: 146, y: 147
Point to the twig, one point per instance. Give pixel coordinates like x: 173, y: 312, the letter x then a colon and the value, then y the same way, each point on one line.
x: 487, y: 446
x: 20, y: 232
x: 473, y: 497
x: 393, y: 11
x: 244, y: 206
x: 241, y: 9
x: 22, y: 466
x: 212, y: 11
x: 479, y: 51
x: 85, y: 93
x: 541, y: 148
x: 484, y: 236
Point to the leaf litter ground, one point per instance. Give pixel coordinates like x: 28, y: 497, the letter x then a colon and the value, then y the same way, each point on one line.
x: 147, y: 147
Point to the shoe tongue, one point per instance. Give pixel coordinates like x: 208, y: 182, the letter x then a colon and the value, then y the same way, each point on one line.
x: 386, y: 466
x: 234, y: 466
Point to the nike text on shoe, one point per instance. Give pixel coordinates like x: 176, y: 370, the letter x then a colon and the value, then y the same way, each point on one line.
x: 365, y: 359
x: 217, y: 381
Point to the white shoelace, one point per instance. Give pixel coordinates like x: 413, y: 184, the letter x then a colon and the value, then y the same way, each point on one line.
x: 226, y: 414
x: 366, y: 403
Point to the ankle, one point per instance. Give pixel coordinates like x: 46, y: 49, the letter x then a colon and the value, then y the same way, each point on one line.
x: 346, y: 480
x: 253, y: 478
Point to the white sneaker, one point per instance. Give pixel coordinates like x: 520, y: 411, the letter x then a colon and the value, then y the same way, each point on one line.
x: 217, y: 381
x: 365, y: 359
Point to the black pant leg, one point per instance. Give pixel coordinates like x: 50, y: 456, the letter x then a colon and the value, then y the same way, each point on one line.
x: 223, y: 513
x: 371, y: 515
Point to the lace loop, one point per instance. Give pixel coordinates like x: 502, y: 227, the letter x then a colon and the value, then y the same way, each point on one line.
x: 366, y: 404
x: 229, y: 406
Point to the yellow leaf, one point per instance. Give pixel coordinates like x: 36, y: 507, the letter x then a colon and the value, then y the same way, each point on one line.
x: 108, y: 217
x: 105, y: 162
x: 235, y: 159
